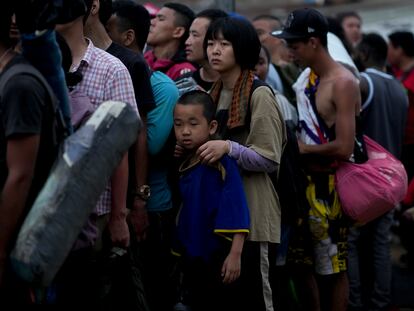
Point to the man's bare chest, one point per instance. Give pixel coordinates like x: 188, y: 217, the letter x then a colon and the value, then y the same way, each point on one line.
x: 324, y: 101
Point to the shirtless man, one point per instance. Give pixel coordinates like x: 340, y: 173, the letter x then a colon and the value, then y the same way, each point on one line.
x: 337, y: 101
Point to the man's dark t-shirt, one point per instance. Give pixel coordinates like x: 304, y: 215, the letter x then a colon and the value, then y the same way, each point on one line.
x: 140, y: 75
x: 25, y: 109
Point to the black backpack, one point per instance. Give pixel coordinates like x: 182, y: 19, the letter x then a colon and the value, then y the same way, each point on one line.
x: 290, y: 180
x: 59, y: 129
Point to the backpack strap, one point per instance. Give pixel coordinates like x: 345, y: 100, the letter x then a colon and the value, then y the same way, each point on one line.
x: 256, y: 84
x: 26, y: 69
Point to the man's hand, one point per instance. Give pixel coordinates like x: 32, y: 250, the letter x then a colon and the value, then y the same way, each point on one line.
x: 138, y: 218
x: 213, y: 150
x: 301, y: 146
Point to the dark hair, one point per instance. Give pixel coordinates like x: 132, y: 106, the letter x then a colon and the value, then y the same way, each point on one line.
x: 133, y: 16
x: 183, y: 18
x: 105, y: 10
x: 268, y: 17
x: 336, y: 28
x: 403, y: 39
x: 374, y: 47
x: 198, y: 97
x: 6, y: 13
x: 212, y: 14
x: 343, y: 15
x: 243, y: 37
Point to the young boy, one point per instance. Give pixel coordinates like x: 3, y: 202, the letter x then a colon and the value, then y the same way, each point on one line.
x: 214, y: 218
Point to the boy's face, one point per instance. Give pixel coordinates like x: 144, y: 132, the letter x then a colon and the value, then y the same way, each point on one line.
x: 191, y: 127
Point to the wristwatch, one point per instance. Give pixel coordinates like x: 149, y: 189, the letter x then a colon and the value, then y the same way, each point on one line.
x: 143, y: 192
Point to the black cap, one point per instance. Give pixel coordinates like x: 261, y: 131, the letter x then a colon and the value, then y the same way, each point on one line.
x: 302, y: 24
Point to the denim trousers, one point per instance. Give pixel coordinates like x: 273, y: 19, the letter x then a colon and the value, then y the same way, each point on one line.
x: 369, y: 264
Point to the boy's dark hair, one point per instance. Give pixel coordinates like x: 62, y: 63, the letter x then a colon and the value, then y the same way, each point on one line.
x: 403, y: 39
x: 243, y: 37
x: 105, y: 10
x: 374, y: 47
x: 212, y: 14
x: 133, y: 16
x: 198, y: 97
x: 343, y: 15
x: 6, y: 13
x: 184, y: 16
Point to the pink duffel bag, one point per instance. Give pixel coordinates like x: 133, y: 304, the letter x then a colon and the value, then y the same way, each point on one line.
x: 371, y: 189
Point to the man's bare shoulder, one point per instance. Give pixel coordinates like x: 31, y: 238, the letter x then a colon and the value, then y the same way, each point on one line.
x: 344, y: 79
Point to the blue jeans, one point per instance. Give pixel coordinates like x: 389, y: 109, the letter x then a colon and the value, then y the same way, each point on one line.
x: 373, y: 242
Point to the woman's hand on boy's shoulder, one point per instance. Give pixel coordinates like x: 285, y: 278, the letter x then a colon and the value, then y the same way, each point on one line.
x: 213, y: 151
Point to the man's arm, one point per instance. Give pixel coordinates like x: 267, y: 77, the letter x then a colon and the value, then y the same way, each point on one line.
x: 21, y: 161
x: 120, y: 88
x: 138, y: 216
x: 346, y: 102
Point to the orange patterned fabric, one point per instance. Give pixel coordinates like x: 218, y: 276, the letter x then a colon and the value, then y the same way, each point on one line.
x: 240, y: 101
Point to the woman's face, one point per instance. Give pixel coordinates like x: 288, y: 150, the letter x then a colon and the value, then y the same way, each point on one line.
x: 220, y: 54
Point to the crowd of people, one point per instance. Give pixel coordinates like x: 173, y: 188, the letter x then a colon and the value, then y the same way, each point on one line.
x: 200, y: 213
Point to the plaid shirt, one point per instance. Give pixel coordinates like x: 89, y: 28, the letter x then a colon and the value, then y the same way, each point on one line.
x: 105, y: 78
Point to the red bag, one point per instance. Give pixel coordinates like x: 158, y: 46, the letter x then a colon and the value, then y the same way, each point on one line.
x: 371, y: 189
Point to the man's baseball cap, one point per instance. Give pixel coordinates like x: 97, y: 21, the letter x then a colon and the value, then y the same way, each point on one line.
x: 302, y: 24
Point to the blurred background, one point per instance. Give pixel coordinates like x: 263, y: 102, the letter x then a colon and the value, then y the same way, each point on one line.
x: 383, y: 16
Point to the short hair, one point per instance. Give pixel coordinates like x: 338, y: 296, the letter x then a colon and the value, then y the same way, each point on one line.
x: 343, y: 15
x: 374, y: 47
x: 6, y: 13
x: 183, y: 18
x: 243, y: 37
x: 133, y: 16
x: 268, y: 17
x: 403, y: 39
x: 105, y: 10
x: 211, y: 14
x: 198, y: 97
